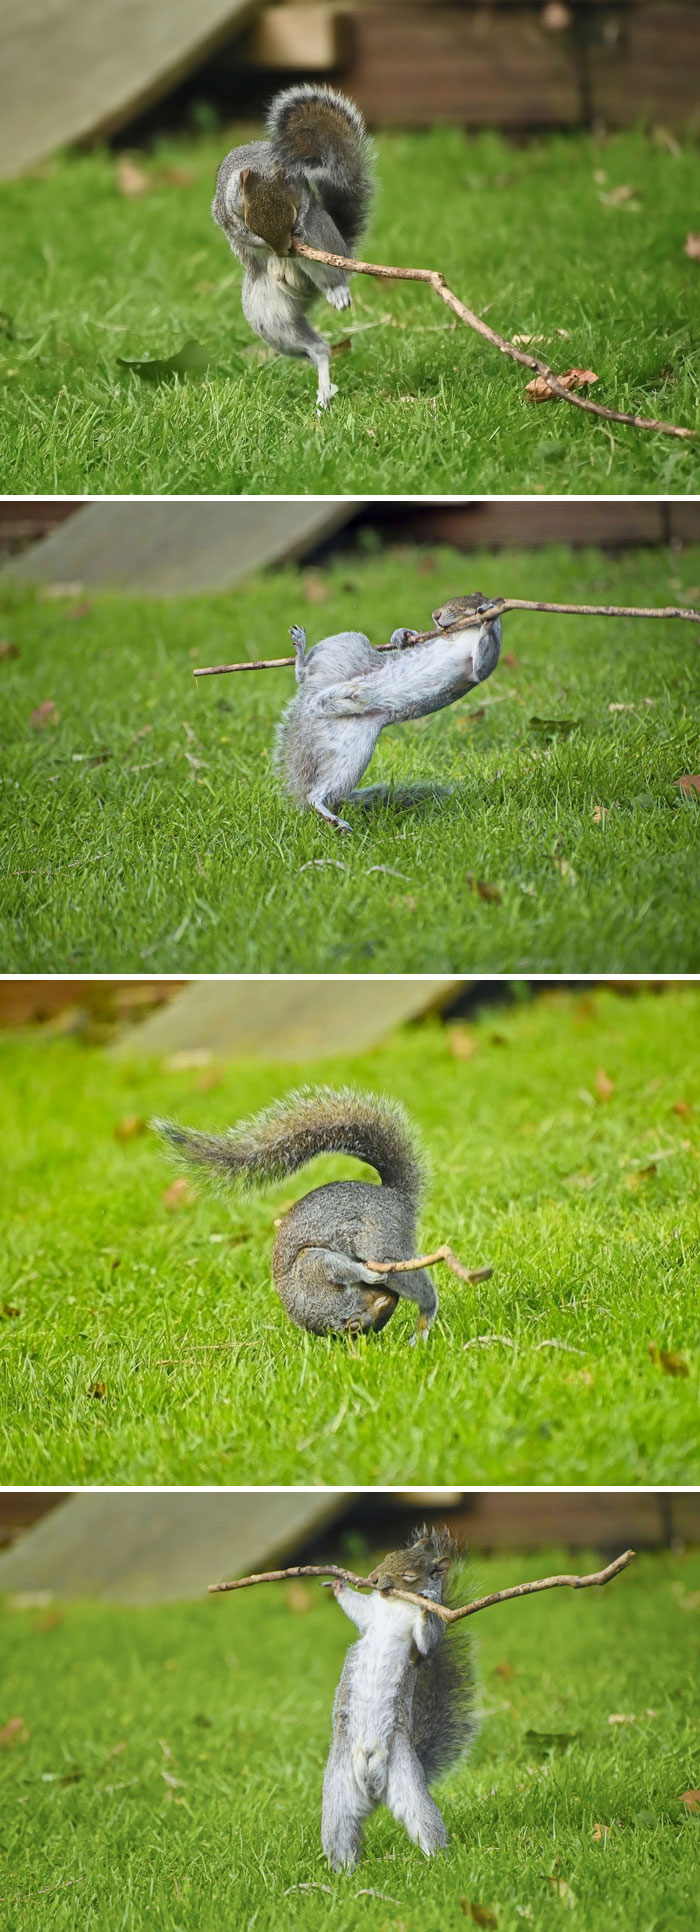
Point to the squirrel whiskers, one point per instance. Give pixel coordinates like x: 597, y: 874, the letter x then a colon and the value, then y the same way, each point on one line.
x: 403, y: 1711
x: 325, y: 1245
x: 311, y: 178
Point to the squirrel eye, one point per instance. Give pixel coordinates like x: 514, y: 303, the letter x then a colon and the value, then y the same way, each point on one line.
x: 410, y: 1576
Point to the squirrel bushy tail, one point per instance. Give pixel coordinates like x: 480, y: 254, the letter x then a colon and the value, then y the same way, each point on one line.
x: 316, y: 131
x: 314, y: 1120
x: 444, y: 1720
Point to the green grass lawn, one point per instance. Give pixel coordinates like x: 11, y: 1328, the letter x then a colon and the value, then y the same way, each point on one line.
x: 146, y: 832
x: 585, y: 1208
x: 523, y: 234
x: 172, y: 1776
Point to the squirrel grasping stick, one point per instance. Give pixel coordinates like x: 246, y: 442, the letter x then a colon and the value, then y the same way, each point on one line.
x: 337, y: 1245
x: 404, y: 1707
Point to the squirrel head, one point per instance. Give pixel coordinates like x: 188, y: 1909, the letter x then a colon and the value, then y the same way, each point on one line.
x: 422, y: 1567
x: 268, y: 209
x: 456, y: 607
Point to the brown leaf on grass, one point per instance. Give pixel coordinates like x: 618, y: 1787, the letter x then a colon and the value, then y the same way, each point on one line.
x: 565, y: 869
x: 539, y: 390
x: 683, y: 1108
x: 491, y: 893
x: 9, y: 1311
x: 179, y: 1195
x: 511, y: 660
x: 506, y: 1671
x: 44, y: 715
x: 15, y: 1731
x: 600, y: 813
x: 98, y: 1390
x: 618, y: 197
x: 298, y: 1597
x: 669, y: 1360
x: 130, y: 1127
x: 603, y: 1086
x: 481, y: 1914
x: 84, y: 609
x: 130, y: 180
x: 315, y: 587
x: 691, y: 1800
x: 7, y: 649
x: 563, y: 1891
x: 634, y: 1180
x: 343, y: 347
x: 689, y: 784
x: 692, y: 247
x: 461, y: 1043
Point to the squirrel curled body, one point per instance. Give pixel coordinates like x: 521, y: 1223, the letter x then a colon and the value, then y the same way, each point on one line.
x: 403, y: 1710
x: 311, y: 178
x: 348, y: 692
x: 325, y: 1245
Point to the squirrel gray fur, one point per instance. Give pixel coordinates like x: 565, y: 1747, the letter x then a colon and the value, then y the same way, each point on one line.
x: 316, y: 168
x: 326, y: 1241
x: 403, y: 1710
x: 348, y: 692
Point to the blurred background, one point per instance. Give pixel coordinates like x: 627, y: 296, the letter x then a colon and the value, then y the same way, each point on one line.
x: 138, y: 1548
x: 175, y: 547
x: 74, y: 71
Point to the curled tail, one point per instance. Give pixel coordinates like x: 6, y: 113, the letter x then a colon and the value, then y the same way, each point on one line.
x: 317, y: 132
x: 314, y: 1120
x: 444, y: 1720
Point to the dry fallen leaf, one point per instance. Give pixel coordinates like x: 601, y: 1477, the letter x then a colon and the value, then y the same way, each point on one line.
x: 600, y: 813
x: 691, y: 1800
x: 683, y: 1108
x: 130, y: 1127
x: 618, y: 197
x: 14, y: 1732
x: 461, y: 1043
x: 45, y: 714
x: 565, y: 869
x: 634, y: 1180
x: 506, y: 1671
x: 669, y: 1360
x: 98, y: 1390
x: 563, y: 1890
x: 8, y: 649
x: 130, y: 180
x: 604, y: 1087
x: 511, y: 660
x: 692, y: 247
x: 315, y: 587
x: 622, y: 1717
x: 689, y: 784
x: 491, y: 893
x: 539, y: 389
x: 480, y: 1914
x: 179, y: 1195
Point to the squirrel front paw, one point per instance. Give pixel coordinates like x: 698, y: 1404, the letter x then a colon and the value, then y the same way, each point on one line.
x: 340, y: 297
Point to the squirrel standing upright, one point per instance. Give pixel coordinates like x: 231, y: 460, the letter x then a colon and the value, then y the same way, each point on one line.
x: 348, y: 692
x: 312, y: 178
x: 325, y: 1245
x: 403, y: 1710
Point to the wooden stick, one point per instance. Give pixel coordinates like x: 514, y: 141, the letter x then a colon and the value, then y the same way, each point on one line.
x: 497, y: 608
x: 598, y: 1577
x: 428, y: 1261
x: 437, y: 282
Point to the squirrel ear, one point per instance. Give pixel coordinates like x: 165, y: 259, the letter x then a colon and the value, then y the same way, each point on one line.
x: 245, y: 175
x: 443, y: 1564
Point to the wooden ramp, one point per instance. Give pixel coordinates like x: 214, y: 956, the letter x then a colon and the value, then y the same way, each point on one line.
x: 127, y: 1547
x: 73, y: 69
x: 281, y: 1020
x: 173, y: 548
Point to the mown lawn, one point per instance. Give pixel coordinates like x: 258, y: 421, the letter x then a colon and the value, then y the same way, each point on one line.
x: 145, y: 831
x: 172, y: 1775
x: 523, y: 234
x: 585, y: 1206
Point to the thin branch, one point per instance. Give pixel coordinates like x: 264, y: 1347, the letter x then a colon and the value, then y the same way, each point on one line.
x: 496, y: 608
x: 598, y: 1577
x: 437, y: 282
x: 428, y: 1261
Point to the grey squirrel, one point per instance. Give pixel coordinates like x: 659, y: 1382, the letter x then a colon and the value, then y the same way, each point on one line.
x: 403, y: 1710
x: 312, y: 177
x: 325, y: 1245
x: 348, y: 692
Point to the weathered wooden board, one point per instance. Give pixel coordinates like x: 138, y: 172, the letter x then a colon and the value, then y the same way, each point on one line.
x: 170, y: 547
x: 646, y: 64
x: 284, y: 1019
x: 70, y: 69
x: 130, y: 1547
x: 539, y: 521
x: 480, y: 67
